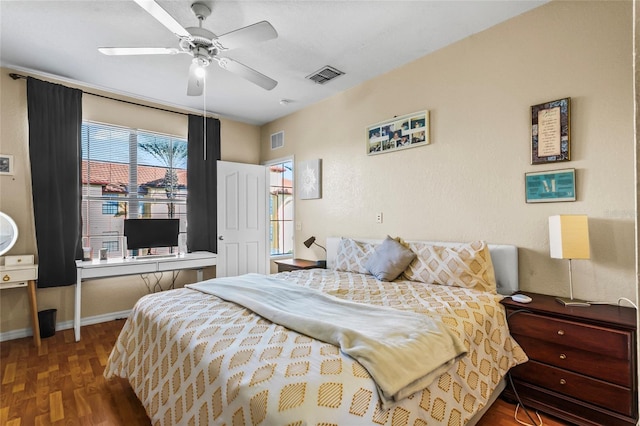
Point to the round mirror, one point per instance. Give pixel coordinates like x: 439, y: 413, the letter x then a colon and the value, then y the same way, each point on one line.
x: 8, y: 233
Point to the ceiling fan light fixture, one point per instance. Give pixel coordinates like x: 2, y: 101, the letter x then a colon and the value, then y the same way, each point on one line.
x: 199, y: 71
x: 201, y: 60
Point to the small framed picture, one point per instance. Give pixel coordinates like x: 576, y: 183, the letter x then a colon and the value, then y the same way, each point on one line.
x: 6, y: 164
x: 551, y: 132
x: 309, y: 180
x: 550, y: 186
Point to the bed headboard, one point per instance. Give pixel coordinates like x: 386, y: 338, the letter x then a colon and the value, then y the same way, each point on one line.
x: 503, y: 256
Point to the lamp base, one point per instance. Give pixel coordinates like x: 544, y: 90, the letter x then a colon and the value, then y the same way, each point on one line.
x: 565, y: 301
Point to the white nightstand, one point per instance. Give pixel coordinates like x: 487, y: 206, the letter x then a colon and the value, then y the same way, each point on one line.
x: 24, y: 276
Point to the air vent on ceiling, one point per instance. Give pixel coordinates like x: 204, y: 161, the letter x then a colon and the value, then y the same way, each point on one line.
x: 277, y: 140
x: 325, y: 75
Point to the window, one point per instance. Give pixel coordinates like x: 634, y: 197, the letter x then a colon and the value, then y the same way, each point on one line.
x: 110, y: 207
x: 111, y: 241
x: 129, y: 173
x: 281, y: 207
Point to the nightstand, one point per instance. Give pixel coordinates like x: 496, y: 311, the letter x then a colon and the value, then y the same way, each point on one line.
x: 24, y: 276
x: 295, y: 264
x: 582, y: 360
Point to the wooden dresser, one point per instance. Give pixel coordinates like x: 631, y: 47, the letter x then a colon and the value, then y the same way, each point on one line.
x: 582, y: 360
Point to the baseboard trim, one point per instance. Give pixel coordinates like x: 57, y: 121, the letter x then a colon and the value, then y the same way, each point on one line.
x: 65, y: 325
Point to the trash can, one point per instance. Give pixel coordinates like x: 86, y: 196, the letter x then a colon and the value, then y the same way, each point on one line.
x: 47, y: 320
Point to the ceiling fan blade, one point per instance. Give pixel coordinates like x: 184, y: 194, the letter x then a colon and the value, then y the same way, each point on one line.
x: 247, y: 73
x: 195, y: 86
x: 164, y: 18
x: 251, y: 34
x: 138, y: 50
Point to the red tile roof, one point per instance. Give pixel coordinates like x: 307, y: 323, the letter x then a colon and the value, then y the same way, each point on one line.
x: 115, y: 176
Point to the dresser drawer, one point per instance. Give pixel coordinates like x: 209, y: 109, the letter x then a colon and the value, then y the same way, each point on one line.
x: 613, y: 343
x: 13, y: 275
x: 12, y: 284
x: 594, y: 391
x: 601, y: 366
x: 566, y: 408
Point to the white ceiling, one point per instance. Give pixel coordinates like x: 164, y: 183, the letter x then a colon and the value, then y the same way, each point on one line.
x: 363, y: 38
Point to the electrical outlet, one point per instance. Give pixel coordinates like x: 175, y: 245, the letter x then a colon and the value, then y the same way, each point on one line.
x: 379, y: 217
x: 298, y: 226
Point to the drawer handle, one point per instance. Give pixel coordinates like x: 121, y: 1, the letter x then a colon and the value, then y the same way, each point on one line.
x: 563, y: 382
x: 561, y: 332
x: 563, y: 356
x: 6, y: 278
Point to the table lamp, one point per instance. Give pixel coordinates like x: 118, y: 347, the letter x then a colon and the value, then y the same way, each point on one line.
x: 311, y: 241
x: 569, y: 239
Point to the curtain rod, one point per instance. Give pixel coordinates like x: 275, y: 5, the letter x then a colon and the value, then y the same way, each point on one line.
x: 20, y: 76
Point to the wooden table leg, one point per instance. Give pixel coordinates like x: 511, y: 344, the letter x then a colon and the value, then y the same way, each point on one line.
x: 33, y: 304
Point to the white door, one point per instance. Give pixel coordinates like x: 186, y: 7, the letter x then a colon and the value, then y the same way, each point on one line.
x: 242, y: 219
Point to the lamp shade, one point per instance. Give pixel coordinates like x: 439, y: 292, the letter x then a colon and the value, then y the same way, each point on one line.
x: 569, y: 237
x: 309, y: 242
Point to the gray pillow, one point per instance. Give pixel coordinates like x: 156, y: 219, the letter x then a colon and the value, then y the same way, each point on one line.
x: 389, y: 260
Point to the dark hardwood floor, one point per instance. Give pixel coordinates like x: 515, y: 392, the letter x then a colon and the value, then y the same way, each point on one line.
x: 62, y: 384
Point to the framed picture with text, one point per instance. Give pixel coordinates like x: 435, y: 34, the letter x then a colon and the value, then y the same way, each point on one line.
x: 550, y: 186
x: 551, y: 132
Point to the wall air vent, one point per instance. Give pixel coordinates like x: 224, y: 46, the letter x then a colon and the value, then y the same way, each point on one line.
x: 277, y: 140
x: 325, y: 75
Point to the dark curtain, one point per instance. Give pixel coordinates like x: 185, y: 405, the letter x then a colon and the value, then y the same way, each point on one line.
x: 55, y: 121
x: 203, y: 153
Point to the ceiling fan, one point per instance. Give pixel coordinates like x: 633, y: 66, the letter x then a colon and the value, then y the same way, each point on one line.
x: 204, y: 46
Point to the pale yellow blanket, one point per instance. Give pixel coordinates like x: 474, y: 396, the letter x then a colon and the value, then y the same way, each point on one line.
x: 402, y: 351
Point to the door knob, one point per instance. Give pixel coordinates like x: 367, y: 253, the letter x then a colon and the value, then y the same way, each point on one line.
x: 221, y: 238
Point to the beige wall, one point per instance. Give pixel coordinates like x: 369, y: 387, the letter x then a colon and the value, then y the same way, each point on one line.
x: 240, y: 142
x: 469, y: 183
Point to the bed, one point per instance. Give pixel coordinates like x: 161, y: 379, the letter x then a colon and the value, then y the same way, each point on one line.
x: 193, y: 357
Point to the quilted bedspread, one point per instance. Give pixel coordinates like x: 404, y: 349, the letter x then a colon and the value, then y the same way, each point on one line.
x: 193, y: 358
x: 385, y: 341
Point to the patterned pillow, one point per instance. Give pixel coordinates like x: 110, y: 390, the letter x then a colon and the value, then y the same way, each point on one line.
x: 352, y: 255
x: 463, y: 265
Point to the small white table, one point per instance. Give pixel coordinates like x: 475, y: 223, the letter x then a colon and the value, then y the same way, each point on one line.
x: 24, y: 276
x: 133, y: 266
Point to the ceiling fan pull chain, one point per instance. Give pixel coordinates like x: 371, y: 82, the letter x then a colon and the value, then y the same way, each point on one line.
x: 204, y: 114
